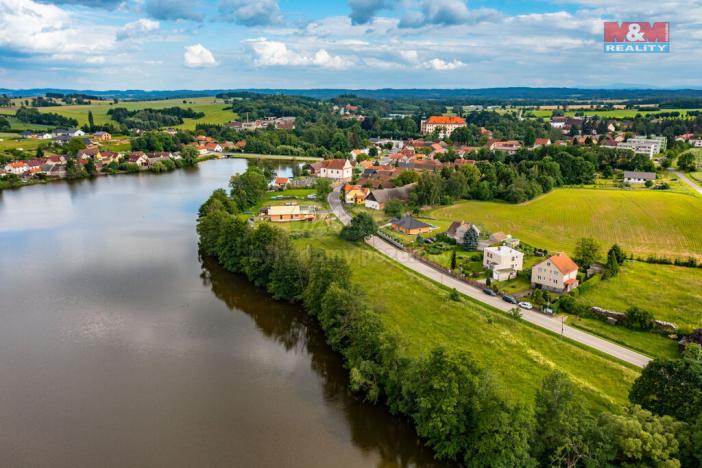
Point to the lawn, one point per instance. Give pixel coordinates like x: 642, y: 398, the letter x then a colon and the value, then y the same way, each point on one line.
x: 642, y: 222
x: 650, y: 344
x: 671, y: 293
x: 213, y: 108
x: 520, y: 355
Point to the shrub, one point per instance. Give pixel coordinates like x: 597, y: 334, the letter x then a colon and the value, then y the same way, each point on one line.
x: 638, y: 319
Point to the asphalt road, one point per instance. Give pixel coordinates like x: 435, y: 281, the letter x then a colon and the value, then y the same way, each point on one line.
x: 688, y: 181
x: 553, y: 324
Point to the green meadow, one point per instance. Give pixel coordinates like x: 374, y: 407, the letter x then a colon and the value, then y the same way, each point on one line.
x: 645, y: 222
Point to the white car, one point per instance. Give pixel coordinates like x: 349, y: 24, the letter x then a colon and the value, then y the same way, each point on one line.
x: 526, y: 305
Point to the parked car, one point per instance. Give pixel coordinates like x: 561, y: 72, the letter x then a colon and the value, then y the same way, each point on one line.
x: 548, y: 311
x: 489, y: 292
x: 508, y: 298
x: 526, y: 305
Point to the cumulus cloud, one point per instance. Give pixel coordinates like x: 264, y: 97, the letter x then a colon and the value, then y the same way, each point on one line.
x: 251, y: 13
x: 442, y: 65
x: 446, y: 13
x: 363, y: 11
x: 27, y: 27
x: 173, y: 9
x: 198, y: 56
x: 137, y: 28
x: 276, y: 53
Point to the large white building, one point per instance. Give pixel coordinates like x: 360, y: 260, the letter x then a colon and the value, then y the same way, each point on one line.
x: 503, y: 261
x: 646, y: 146
x: 444, y: 124
x: 336, y: 169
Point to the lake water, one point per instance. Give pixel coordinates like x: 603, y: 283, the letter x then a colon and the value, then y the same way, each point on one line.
x: 119, y: 346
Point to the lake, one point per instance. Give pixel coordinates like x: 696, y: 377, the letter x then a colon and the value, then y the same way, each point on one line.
x: 120, y: 346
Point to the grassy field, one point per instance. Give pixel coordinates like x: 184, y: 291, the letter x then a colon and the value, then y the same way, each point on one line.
x: 643, y: 222
x: 671, y: 293
x: 419, y: 311
x: 614, y: 114
x: 650, y: 344
x: 213, y: 108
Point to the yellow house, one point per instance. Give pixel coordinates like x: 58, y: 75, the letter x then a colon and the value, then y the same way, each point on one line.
x: 355, y: 194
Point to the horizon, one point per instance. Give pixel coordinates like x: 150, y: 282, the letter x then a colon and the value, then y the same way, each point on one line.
x: 354, y: 44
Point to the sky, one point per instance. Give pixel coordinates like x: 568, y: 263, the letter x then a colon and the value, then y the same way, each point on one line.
x: 368, y: 44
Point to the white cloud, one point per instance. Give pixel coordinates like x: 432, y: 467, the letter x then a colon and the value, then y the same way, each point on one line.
x: 137, y: 28
x: 29, y: 27
x: 276, y: 53
x: 197, y: 56
x: 409, y: 55
x: 442, y: 65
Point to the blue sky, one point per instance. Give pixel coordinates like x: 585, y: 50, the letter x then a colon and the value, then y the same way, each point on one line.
x: 200, y: 44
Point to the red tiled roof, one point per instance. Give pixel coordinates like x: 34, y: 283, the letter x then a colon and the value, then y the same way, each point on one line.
x: 564, y: 263
x: 334, y: 163
x: 445, y: 120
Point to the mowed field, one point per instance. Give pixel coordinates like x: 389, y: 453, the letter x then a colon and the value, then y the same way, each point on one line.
x: 671, y: 293
x: 520, y: 355
x: 642, y: 222
x: 614, y: 114
x: 213, y: 108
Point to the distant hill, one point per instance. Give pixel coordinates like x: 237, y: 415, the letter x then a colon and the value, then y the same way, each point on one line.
x: 486, y: 95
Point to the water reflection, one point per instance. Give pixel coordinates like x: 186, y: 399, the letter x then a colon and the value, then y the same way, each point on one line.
x: 373, y: 429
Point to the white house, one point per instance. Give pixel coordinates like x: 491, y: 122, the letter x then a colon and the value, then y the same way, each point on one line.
x: 444, y: 124
x: 337, y: 169
x: 646, y: 146
x: 16, y: 168
x: 635, y: 177
x: 458, y: 229
x: 557, y: 273
x: 76, y: 132
x: 503, y: 261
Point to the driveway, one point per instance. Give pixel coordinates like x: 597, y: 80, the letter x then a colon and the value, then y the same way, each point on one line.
x: 552, y: 324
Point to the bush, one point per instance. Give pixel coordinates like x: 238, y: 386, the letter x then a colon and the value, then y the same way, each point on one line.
x: 362, y: 225
x: 638, y: 319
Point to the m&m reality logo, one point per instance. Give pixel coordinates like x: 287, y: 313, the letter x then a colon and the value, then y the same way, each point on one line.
x: 636, y: 37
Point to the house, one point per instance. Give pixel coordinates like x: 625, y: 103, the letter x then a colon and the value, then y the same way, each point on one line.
x: 75, y: 132
x: 410, y: 226
x: 497, y: 237
x: 635, y: 177
x: 355, y: 194
x: 157, y: 156
x: 337, y: 169
x: 89, y: 153
x: 16, y: 167
x: 102, y: 136
x: 280, y: 182
x: 539, y: 142
x: 287, y: 213
x: 444, y: 124
x: 457, y: 231
x: 557, y: 273
x: 697, y: 143
x: 213, y: 147
x: 509, y: 147
x: 27, y: 134
x: 376, y: 199
x: 138, y: 158
x: 503, y: 261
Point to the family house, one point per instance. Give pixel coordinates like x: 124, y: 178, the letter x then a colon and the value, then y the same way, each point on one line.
x: 458, y: 229
x: 158, y: 156
x: 280, y: 183
x: 410, y: 226
x: 355, y: 194
x: 16, y: 167
x: 138, y: 158
x: 376, y: 199
x: 503, y: 261
x: 557, y: 273
x: 102, y: 136
x: 287, y: 213
x: 635, y: 177
x: 509, y: 147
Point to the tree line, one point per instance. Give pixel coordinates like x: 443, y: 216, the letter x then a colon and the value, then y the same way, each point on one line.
x: 455, y: 404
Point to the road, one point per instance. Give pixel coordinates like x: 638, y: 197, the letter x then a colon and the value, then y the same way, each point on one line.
x: 553, y: 324
x: 688, y: 181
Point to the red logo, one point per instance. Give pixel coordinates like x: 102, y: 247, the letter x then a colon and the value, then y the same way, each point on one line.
x: 636, y: 31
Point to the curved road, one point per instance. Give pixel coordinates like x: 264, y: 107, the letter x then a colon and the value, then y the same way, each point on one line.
x: 549, y: 323
x: 687, y: 180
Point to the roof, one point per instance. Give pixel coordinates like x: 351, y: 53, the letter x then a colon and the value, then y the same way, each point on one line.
x: 401, y: 193
x: 445, y: 120
x: 334, y: 163
x: 564, y: 263
x: 639, y: 175
x: 278, y: 210
x: 454, y: 227
x: 503, y: 249
x: 281, y: 180
x: 408, y: 222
